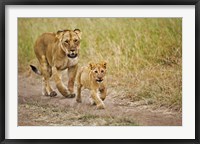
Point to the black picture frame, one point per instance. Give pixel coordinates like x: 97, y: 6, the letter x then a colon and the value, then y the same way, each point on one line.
x: 99, y: 2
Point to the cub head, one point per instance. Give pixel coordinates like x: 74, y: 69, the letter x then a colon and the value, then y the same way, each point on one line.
x: 70, y: 41
x: 98, y: 71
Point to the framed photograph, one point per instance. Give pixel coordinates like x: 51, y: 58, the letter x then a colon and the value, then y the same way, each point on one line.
x: 99, y: 72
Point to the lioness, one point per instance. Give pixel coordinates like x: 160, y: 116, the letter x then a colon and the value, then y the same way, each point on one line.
x: 93, y: 77
x: 57, y: 52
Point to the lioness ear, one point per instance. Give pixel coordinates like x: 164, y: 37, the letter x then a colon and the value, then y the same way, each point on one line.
x: 59, y: 34
x: 78, y: 32
x: 59, y: 31
x: 104, y: 64
x: 91, y: 66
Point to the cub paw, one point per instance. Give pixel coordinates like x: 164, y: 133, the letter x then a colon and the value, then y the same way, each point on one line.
x: 103, y: 98
x: 78, y: 100
x: 92, y: 102
x: 101, y: 106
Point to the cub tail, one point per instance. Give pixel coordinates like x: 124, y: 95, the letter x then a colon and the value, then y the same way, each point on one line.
x: 35, y: 70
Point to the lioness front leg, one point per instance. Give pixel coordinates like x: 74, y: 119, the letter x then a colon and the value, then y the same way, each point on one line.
x: 59, y: 84
x: 46, y: 72
x: 97, y: 100
x: 72, y: 71
x: 47, y: 90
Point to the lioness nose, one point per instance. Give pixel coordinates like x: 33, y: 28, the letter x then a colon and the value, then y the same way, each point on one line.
x: 72, y: 52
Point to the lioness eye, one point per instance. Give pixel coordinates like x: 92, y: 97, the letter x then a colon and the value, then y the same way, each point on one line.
x: 75, y: 40
x: 67, y: 41
x: 96, y: 71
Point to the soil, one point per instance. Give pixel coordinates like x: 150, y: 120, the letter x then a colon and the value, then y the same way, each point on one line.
x: 34, y: 109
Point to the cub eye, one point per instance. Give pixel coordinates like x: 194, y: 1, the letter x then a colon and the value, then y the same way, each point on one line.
x: 75, y: 40
x: 96, y: 71
x: 102, y: 71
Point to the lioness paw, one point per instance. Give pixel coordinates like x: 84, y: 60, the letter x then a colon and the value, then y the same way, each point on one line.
x: 53, y: 94
x: 70, y: 95
x: 64, y: 92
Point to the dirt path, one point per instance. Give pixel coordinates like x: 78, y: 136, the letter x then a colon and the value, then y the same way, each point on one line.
x: 35, y: 109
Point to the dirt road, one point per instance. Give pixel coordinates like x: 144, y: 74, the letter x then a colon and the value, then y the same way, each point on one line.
x: 34, y: 109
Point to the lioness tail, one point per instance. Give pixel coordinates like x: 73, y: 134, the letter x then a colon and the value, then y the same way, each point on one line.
x: 35, y: 70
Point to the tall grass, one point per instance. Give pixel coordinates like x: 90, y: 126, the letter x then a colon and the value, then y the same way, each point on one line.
x: 144, y: 54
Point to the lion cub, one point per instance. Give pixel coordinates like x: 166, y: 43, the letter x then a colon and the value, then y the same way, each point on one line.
x: 93, y: 77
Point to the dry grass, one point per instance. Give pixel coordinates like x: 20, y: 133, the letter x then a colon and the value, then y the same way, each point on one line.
x: 144, y: 55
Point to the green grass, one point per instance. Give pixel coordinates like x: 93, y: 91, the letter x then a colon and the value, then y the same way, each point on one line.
x: 144, y: 54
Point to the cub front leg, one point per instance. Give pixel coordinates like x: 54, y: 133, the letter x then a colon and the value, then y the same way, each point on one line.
x: 79, y: 86
x: 59, y: 84
x: 78, y: 98
x: 97, y: 100
x: 103, y: 92
x: 72, y: 71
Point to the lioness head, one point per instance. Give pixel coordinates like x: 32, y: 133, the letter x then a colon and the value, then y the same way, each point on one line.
x: 98, y: 71
x: 70, y: 41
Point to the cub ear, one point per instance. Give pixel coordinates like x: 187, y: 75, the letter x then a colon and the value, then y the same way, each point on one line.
x: 78, y: 32
x: 91, y: 66
x: 104, y: 64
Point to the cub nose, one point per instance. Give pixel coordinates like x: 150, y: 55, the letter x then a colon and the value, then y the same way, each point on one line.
x: 100, y: 78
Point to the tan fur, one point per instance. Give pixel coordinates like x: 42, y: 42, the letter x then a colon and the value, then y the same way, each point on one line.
x: 56, y: 52
x: 88, y: 78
